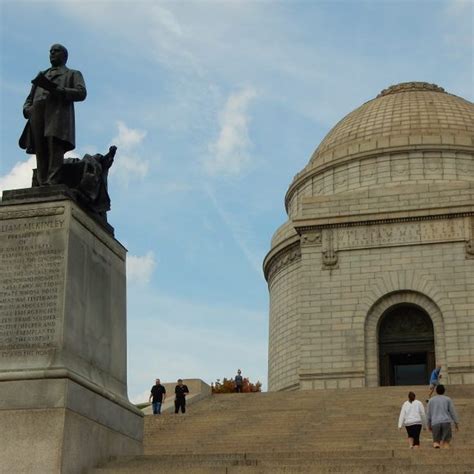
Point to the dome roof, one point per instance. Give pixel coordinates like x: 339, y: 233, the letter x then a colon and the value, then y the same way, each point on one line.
x: 411, y: 114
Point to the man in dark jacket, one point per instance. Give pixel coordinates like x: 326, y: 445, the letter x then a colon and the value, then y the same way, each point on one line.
x: 180, y: 391
x: 49, y: 108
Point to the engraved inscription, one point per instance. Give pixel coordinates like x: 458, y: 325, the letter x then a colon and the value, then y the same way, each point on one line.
x: 26, y: 213
x: 400, y: 233
x: 31, y: 278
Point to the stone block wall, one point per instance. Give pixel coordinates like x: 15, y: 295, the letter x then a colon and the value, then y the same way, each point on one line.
x: 339, y: 341
x: 327, y: 301
x: 284, y: 330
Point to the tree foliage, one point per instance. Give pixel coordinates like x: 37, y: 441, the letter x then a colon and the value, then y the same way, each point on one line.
x: 228, y: 386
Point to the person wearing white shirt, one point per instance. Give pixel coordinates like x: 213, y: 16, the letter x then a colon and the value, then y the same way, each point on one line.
x: 413, y: 418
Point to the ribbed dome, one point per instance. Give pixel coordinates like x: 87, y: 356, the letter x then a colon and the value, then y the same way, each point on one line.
x: 407, y: 114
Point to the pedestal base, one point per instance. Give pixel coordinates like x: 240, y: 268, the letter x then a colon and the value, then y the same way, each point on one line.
x: 63, y: 361
x: 58, y: 426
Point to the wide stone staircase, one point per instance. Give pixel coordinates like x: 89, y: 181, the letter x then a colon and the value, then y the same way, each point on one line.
x: 344, y: 431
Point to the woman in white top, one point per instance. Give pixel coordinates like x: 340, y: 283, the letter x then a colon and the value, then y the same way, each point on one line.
x: 413, y: 418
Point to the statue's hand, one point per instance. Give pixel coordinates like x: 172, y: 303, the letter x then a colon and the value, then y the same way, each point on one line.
x: 60, y: 92
x: 112, y: 150
x: 27, y: 112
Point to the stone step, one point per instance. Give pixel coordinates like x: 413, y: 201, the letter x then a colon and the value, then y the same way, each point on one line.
x: 321, y: 432
x: 275, y: 437
x: 421, y: 455
x: 376, y: 469
x: 212, y: 450
x: 362, y: 463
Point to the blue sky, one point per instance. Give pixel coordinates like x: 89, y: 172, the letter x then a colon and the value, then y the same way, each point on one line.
x: 214, y: 107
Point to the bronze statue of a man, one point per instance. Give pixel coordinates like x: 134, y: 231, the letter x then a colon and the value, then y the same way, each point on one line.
x: 49, y: 108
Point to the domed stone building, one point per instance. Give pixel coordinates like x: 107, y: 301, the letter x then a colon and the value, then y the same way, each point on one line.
x: 371, y: 279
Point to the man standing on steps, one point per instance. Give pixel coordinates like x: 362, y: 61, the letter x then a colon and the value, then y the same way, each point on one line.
x: 157, y: 397
x: 180, y: 391
x: 441, y: 413
x: 434, y: 379
x: 239, y: 382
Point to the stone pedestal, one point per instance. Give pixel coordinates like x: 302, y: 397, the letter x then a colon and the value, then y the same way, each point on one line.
x: 63, y: 380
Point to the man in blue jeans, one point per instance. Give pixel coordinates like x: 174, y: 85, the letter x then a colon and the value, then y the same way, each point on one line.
x: 157, y: 397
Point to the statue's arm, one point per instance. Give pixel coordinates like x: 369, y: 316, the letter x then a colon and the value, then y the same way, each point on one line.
x: 108, y: 159
x: 77, y: 92
x: 28, y: 103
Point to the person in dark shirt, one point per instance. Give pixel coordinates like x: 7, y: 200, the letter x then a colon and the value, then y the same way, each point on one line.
x: 157, y: 397
x: 239, y: 382
x: 180, y: 391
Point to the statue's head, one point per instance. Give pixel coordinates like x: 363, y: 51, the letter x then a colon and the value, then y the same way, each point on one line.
x: 58, y: 55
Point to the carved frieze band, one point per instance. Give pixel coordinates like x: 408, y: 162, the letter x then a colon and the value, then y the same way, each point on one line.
x: 26, y: 213
x: 417, y: 232
x: 287, y: 256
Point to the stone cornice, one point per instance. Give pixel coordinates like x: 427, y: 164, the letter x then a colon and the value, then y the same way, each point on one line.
x: 276, y: 260
x: 279, y: 248
x: 304, y: 225
x: 25, y: 212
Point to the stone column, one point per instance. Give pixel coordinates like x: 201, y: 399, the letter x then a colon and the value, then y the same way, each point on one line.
x: 63, y: 379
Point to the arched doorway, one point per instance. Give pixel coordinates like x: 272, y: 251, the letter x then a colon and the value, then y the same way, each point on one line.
x: 406, y: 346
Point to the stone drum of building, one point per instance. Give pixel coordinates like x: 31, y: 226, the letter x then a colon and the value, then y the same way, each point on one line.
x: 371, y: 279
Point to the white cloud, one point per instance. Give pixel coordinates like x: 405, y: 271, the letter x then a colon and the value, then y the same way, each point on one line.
x: 459, y: 7
x: 140, y: 268
x: 167, y: 20
x: 149, y: 23
x: 128, y: 164
x: 229, y: 154
x: 20, y: 175
x: 128, y: 138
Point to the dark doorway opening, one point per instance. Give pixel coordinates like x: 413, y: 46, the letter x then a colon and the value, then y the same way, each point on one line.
x: 406, y: 346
